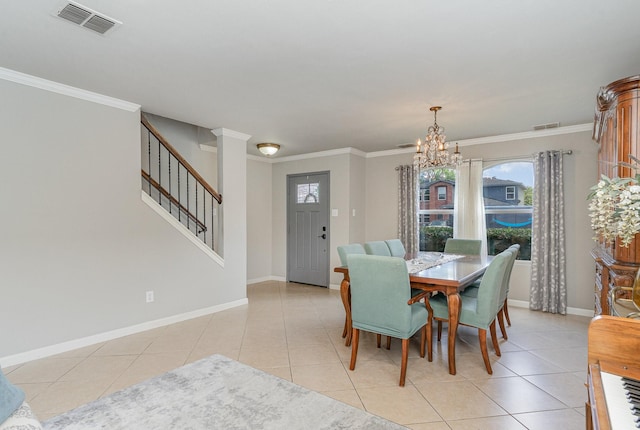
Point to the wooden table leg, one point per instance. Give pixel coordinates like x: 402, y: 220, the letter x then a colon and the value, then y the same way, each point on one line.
x: 345, y: 294
x: 454, y: 316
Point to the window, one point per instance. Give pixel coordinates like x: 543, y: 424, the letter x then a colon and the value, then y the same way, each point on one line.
x: 510, y: 193
x: 508, y: 206
x: 308, y: 193
x: 435, y: 217
x: 424, y: 195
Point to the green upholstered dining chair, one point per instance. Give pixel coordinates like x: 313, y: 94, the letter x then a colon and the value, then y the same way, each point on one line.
x: 353, y: 248
x: 396, y: 248
x: 479, y: 312
x: 380, y: 304
x: 378, y: 247
x: 343, y: 251
x: 515, y: 248
x: 463, y: 246
x: 503, y: 312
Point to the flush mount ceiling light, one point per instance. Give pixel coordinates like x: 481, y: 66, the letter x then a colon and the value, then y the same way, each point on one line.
x: 433, y: 152
x: 268, y: 149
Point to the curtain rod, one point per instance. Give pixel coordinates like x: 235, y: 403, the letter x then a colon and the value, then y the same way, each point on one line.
x: 519, y: 157
x: 514, y: 158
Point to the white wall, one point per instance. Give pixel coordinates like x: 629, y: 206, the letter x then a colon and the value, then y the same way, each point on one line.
x: 78, y: 247
x: 357, y: 199
x: 339, y: 177
x: 259, y: 220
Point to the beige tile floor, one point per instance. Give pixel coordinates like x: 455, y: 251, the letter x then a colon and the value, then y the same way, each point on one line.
x: 294, y: 331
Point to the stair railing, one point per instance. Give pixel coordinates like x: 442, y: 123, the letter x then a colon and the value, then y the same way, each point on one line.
x: 172, y: 182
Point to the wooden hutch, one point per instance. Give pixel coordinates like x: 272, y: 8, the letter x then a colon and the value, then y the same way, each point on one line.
x: 616, y: 129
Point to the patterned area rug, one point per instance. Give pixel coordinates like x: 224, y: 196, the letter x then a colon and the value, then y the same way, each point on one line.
x: 217, y: 393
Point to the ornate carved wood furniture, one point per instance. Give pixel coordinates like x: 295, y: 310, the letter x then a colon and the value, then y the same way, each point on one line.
x: 616, y: 129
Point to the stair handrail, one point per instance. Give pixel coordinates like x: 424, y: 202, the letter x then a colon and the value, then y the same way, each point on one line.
x: 180, y: 159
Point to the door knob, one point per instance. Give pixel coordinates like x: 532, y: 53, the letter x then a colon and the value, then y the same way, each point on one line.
x: 323, y: 235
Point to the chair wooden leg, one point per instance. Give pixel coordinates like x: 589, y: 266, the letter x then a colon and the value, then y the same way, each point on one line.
x: 494, y: 337
x: 355, y: 336
x: 378, y: 339
x: 439, y: 330
x: 405, y: 356
x: 506, y: 313
x: 423, y: 338
x: 430, y: 337
x: 503, y: 330
x: 388, y: 343
x: 482, y: 336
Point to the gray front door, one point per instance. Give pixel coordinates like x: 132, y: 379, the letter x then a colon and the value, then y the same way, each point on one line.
x: 308, y: 228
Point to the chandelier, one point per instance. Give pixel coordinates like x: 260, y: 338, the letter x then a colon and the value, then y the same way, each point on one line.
x: 433, y: 152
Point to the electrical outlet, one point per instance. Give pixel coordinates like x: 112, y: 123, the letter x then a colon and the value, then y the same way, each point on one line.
x: 149, y: 296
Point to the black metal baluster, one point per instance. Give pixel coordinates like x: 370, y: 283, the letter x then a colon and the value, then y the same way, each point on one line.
x: 170, y: 193
x: 159, y: 173
x: 179, y: 199
x: 188, y: 206
x: 197, y: 227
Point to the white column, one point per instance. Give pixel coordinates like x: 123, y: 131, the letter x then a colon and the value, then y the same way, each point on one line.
x: 232, y: 184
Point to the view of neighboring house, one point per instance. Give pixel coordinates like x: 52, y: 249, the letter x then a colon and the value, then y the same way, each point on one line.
x: 438, y: 195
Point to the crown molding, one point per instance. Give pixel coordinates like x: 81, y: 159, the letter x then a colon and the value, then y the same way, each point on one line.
x: 55, y: 87
x: 329, y: 153
x: 495, y: 139
x: 226, y: 132
x: 527, y: 135
x: 389, y: 152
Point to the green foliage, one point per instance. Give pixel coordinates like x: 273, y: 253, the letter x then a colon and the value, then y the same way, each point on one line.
x: 528, y: 196
x: 437, y: 231
x: 431, y: 175
x: 515, y: 234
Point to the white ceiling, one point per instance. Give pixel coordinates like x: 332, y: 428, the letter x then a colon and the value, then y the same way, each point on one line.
x: 315, y: 75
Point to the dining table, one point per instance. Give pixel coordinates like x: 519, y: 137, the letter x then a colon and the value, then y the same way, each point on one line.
x: 430, y: 272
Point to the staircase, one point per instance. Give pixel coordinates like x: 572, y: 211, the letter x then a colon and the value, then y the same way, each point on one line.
x: 176, y: 186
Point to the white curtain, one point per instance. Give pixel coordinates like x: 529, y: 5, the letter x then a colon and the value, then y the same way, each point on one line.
x: 469, y: 221
x: 408, y: 208
x: 548, y: 284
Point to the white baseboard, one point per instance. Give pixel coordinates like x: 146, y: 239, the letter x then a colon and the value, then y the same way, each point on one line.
x: 570, y: 311
x: 59, y: 348
x: 334, y: 286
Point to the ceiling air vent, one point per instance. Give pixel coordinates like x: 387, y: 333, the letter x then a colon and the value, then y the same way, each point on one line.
x: 545, y: 126
x: 85, y: 17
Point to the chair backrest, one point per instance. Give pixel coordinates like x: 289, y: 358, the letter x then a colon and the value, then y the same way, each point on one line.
x: 463, y: 246
x: 490, y: 288
x: 353, y: 248
x: 378, y: 247
x: 380, y: 291
x: 515, y: 248
x: 507, y: 276
x: 396, y: 248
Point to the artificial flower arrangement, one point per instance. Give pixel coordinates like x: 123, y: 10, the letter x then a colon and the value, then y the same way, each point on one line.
x: 614, y: 207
